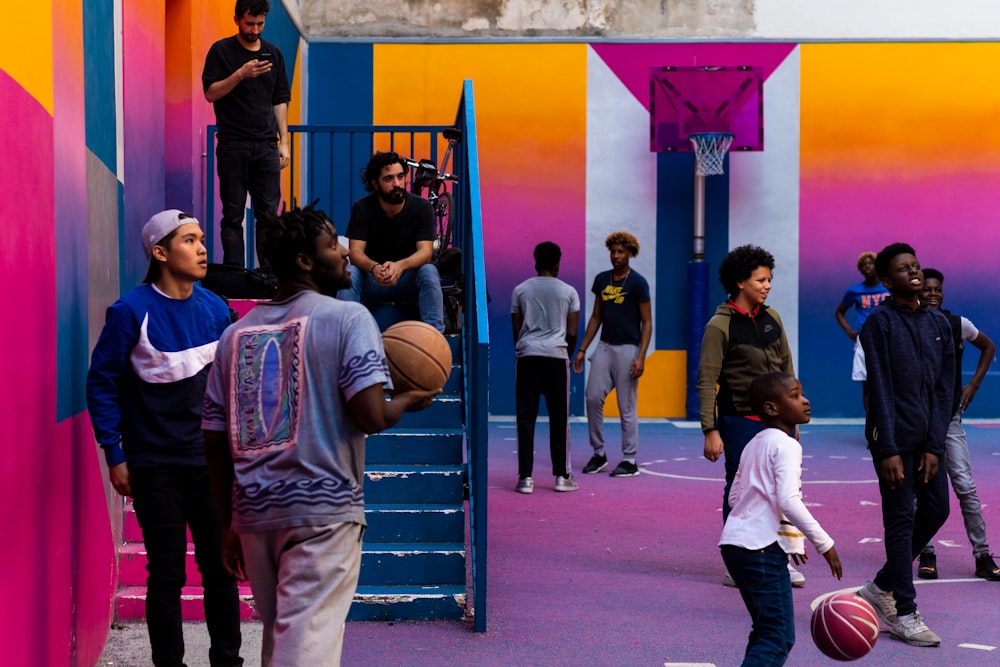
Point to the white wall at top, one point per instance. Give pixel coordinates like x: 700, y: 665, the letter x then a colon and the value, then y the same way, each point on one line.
x: 621, y: 177
x: 764, y: 194
x: 878, y: 19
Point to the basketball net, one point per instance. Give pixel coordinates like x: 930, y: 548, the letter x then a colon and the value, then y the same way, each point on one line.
x: 710, y: 150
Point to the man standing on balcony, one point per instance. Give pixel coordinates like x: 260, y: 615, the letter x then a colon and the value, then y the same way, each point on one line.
x: 244, y: 79
x: 391, y: 234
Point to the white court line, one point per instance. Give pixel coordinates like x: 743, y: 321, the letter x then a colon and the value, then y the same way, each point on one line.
x: 692, y: 478
x: 689, y: 664
x: 978, y: 647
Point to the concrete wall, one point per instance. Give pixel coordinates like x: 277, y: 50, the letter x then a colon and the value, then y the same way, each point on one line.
x: 104, y: 125
x: 651, y: 19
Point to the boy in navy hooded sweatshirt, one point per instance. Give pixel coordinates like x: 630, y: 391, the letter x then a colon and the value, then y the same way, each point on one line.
x: 911, y: 375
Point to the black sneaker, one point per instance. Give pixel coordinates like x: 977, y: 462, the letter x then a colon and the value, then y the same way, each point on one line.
x: 625, y: 469
x: 597, y: 463
x: 928, y: 565
x: 987, y: 568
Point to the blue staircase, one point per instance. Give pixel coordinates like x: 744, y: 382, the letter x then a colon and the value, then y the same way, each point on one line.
x: 426, y: 480
x: 413, y: 565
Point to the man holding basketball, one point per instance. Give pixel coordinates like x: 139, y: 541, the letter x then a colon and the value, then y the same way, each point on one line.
x: 244, y: 79
x: 296, y: 386
x: 391, y: 234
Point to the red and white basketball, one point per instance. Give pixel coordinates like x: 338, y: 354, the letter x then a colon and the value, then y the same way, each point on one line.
x: 844, y: 626
x: 419, y: 356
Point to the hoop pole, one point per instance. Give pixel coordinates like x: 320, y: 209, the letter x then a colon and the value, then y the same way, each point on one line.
x: 699, y: 216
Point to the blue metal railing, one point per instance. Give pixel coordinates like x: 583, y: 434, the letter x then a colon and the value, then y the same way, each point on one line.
x: 326, y: 161
x: 469, y: 237
x: 325, y: 165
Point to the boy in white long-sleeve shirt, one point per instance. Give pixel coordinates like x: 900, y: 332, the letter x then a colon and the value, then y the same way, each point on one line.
x: 768, y: 486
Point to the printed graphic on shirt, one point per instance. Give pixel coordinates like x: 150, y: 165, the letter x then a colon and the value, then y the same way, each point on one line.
x: 614, y: 293
x: 869, y: 301
x: 315, y: 494
x: 159, y: 367
x: 265, y: 397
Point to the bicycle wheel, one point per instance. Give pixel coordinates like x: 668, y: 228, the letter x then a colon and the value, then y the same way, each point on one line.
x: 444, y: 215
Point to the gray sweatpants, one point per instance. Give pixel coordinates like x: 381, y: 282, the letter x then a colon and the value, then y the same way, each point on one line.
x: 609, y: 369
x: 303, y: 581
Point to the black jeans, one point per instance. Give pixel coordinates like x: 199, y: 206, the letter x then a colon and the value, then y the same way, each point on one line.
x: 535, y: 377
x: 912, y: 513
x: 245, y: 167
x: 167, y: 501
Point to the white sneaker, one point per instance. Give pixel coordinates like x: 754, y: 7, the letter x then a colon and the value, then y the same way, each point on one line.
x: 882, y: 601
x: 727, y: 580
x: 912, y: 630
x: 525, y: 485
x: 798, y: 579
x: 566, y: 483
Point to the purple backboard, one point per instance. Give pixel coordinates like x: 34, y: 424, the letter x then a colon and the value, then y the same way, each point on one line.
x: 688, y: 100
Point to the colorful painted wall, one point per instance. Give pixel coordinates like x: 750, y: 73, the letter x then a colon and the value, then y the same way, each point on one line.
x: 104, y: 124
x: 865, y: 144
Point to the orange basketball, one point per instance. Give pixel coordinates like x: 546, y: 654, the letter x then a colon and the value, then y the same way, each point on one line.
x: 418, y: 354
x: 844, y: 626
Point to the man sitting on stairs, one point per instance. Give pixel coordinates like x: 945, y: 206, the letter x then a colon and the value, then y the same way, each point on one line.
x: 391, y: 234
x: 296, y: 385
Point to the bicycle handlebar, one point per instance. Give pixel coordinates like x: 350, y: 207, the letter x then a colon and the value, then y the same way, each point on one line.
x: 430, y: 168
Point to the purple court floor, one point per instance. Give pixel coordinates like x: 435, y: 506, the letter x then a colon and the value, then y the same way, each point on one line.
x: 627, y: 572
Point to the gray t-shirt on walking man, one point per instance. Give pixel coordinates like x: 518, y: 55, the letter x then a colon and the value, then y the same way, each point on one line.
x: 544, y: 302
x: 279, y: 386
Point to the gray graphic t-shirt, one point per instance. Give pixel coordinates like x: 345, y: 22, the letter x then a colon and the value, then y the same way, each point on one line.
x: 279, y: 387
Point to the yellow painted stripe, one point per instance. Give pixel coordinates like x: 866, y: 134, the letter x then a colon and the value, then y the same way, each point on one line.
x: 26, y: 54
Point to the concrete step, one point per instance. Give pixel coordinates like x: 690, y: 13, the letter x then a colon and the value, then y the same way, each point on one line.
x: 400, y: 485
x: 411, y: 603
x: 371, y: 603
x: 430, y: 556
x: 444, y: 412
x: 414, y: 523
x: 419, y: 446
x: 399, y: 564
x: 130, y: 603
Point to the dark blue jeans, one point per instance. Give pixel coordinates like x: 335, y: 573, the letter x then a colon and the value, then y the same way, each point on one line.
x: 735, y: 432
x: 762, y: 577
x: 167, y: 501
x: 421, y: 286
x: 912, y: 513
x: 245, y: 167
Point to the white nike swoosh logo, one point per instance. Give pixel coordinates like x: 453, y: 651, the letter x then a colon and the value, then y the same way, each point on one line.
x: 158, y: 367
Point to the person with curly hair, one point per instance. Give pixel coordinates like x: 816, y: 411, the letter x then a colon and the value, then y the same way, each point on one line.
x: 623, y: 314
x: 862, y: 298
x: 743, y: 339
x: 391, y: 238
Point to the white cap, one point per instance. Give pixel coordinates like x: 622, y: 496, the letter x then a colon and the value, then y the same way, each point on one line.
x: 161, y: 225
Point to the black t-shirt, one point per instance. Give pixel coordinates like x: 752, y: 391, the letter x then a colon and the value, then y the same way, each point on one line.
x: 247, y: 112
x: 621, y: 321
x: 391, y: 239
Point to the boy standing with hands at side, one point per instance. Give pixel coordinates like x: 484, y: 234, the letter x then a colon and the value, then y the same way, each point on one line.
x: 911, y: 376
x: 768, y: 486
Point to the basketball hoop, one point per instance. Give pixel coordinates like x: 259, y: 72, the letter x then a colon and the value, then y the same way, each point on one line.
x: 710, y: 150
